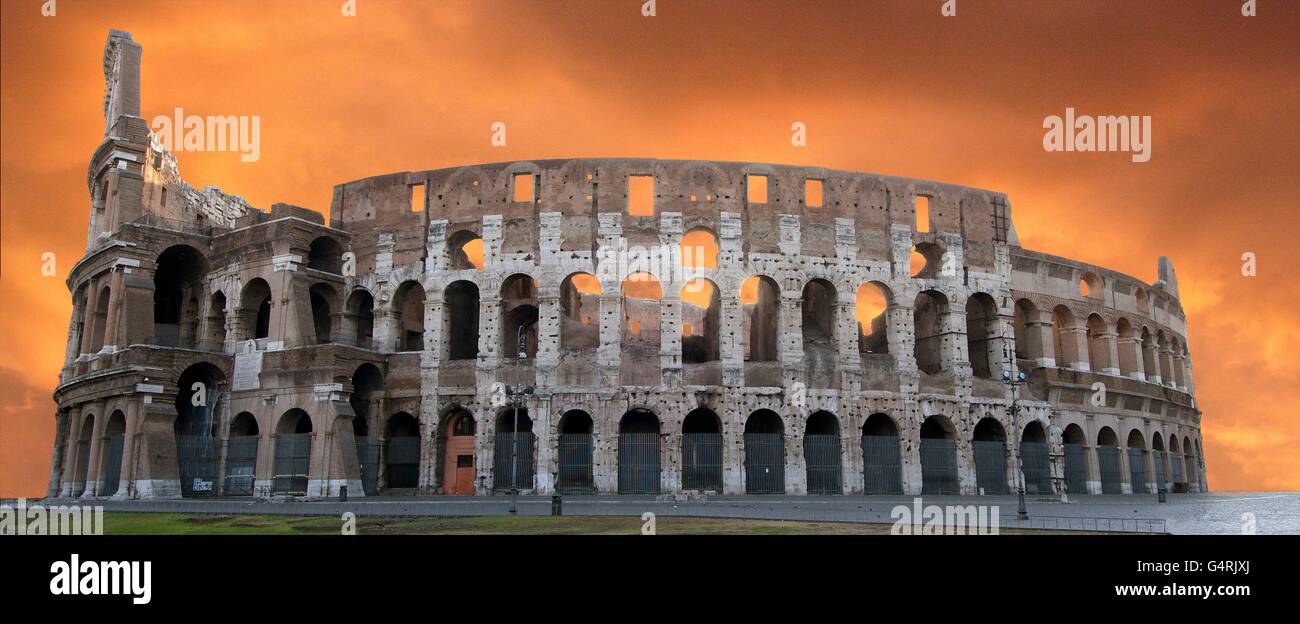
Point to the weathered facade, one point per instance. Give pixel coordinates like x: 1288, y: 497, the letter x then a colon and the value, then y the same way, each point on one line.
x: 216, y: 349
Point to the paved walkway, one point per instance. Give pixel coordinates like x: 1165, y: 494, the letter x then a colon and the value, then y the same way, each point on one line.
x: 1213, y: 513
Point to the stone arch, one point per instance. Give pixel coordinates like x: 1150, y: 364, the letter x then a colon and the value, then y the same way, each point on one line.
x: 461, y: 320
x: 982, y: 335
x: 989, y: 446
x: 408, y: 316
x: 938, y: 449
x: 456, y: 441
x: 255, y: 309
x: 1075, y: 444
x: 576, y: 456
x: 702, y: 451
x: 760, y: 298
x: 820, y: 345
x: 871, y: 308
x: 515, y: 446
x: 580, y: 311
x: 519, y: 316
x: 881, y: 462
x: 1035, y: 459
x: 110, y: 453
x: 638, y: 452
x: 325, y: 254
x: 465, y: 251
x: 1066, y: 345
x: 360, y: 310
x: 1028, y: 338
x: 1136, y: 446
x: 178, y: 283
x: 1091, y: 286
x: 293, y: 442
x: 764, y: 453
x: 701, y: 321
x: 324, y: 312
x: 822, y: 455
x: 216, y: 328
x: 1099, y: 337
x: 402, y: 451
x: 929, y: 314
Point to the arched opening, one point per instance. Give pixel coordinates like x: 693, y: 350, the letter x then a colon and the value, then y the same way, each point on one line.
x: 1076, y: 459
x: 408, y: 308
x: 292, y: 453
x: 928, y: 319
x: 1108, y: 462
x: 580, y: 312
x: 1128, y: 345
x: 114, y: 440
x: 198, y: 408
x: 761, y: 301
x: 1090, y: 286
x: 462, y: 309
x: 465, y: 250
x: 871, y: 310
x: 84, y: 440
x: 1137, y: 462
x: 1149, y: 357
x: 702, y: 451
x: 241, y: 456
x: 99, y: 323
x: 821, y: 451
x: 938, y: 457
x: 402, y: 451
x: 699, y: 250
x: 701, y: 328
x: 1098, y: 333
x: 323, y: 304
x: 255, y: 309
x: 1063, y: 334
x: 1029, y: 342
x: 576, y: 456
x: 519, y: 317
x: 882, y: 468
x: 820, y: 352
x: 178, y: 284
x: 1159, y: 461
x: 1142, y: 299
x: 515, y: 450
x: 990, y: 448
x: 325, y: 254
x: 981, y: 336
x: 216, y: 334
x: 764, y: 453
x: 1034, y: 459
x: 1192, y: 463
x: 457, y: 449
x: 927, y: 261
x: 361, y: 308
x: 1176, y: 465
x: 367, y: 401
x: 638, y: 453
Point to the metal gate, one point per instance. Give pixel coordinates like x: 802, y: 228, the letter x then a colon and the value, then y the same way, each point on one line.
x: 368, y: 464
x: 403, y: 459
x: 514, y: 449
x: 1137, y: 468
x: 1158, y: 458
x: 575, y: 464
x: 113, y: 465
x: 1036, y: 467
x: 1076, y: 469
x: 990, y: 466
x: 764, y: 463
x: 196, y: 457
x: 939, y: 466
x: 1108, y: 467
x: 702, y: 461
x: 825, y: 472
x: 1176, y: 465
x: 638, y: 463
x: 881, y: 468
x: 292, y: 458
x: 241, y: 465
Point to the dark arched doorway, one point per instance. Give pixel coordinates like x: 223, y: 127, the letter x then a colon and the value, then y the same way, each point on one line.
x: 575, y: 445
x: 702, y: 451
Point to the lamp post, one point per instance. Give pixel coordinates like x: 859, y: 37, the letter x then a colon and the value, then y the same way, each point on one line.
x: 1014, y: 409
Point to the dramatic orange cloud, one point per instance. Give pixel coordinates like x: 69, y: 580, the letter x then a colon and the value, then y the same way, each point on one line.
x: 887, y: 87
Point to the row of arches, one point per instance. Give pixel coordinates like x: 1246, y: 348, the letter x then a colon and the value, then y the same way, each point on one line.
x: 1137, y: 466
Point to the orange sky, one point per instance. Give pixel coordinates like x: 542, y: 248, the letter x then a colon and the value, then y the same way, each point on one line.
x: 887, y: 87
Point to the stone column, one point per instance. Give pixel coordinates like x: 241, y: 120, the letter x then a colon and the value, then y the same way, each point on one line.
x: 1041, y: 329
x: 1077, y: 336
x: 1167, y: 365
x: 796, y: 467
x: 846, y: 342
x: 1129, y: 352
x: 609, y: 355
x: 61, y: 427
x: 114, y: 308
x: 1111, y: 349
x: 1149, y: 350
x: 790, y: 341
x: 93, y: 485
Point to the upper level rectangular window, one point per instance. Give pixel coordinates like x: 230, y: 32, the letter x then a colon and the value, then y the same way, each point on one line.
x: 812, y: 193
x: 756, y: 189
x: 922, y: 213
x: 641, y: 195
x: 418, y: 197
x: 524, y: 191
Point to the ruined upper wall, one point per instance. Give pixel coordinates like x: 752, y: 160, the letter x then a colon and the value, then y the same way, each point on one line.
x: 579, y: 189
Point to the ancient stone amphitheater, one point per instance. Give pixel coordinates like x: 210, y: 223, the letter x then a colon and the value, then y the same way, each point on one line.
x: 684, y: 326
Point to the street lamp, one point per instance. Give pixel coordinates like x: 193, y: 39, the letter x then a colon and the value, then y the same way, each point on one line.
x: 1014, y: 409
x: 516, y: 395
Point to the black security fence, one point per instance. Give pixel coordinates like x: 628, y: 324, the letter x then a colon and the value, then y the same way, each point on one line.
x: 702, y: 461
x: 1037, y: 467
x: 1076, y: 469
x: 292, y: 459
x: 513, y: 466
x: 241, y: 465
x: 990, y: 466
x: 113, y: 465
x: 1137, y: 468
x: 575, y: 469
x: 196, y: 458
x: 825, y: 464
x: 638, y: 463
x: 764, y: 463
x: 939, y: 466
x: 882, y: 468
x: 368, y: 464
x: 1108, y: 465
x: 402, y: 454
x: 1158, y: 459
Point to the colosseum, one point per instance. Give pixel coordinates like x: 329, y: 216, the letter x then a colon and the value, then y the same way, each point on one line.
x: 600, y: 326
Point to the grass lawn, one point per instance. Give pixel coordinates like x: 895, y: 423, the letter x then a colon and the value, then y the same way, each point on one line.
x: 146, y: 523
